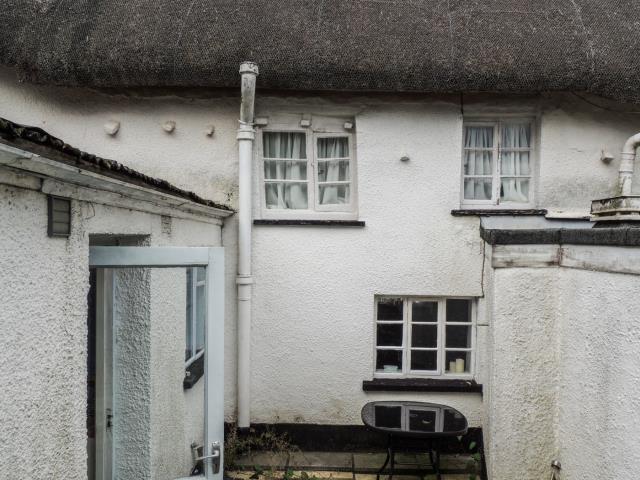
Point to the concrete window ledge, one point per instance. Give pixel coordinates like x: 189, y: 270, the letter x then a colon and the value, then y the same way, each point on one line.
x: 313, y: 223
x: 466, y: 212
x: 421, y: 385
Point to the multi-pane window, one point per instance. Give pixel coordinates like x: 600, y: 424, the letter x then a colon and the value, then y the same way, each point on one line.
x: 307, y: 172
x: 498, y: 163
x: 196, y: 313
x: 424, y: 336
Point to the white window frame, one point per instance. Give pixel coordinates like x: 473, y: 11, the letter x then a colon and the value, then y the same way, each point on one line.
x: 193, y: 294
x: 314, y: 210
x: 494, y: 202
x: 406, y: 347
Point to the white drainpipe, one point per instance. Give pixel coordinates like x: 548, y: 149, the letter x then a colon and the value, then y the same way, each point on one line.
x: 244, y: 280
x: 627, y: 163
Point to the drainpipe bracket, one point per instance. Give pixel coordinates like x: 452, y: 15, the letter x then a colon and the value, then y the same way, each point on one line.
x: 244, y: 280
x: 246, y: 132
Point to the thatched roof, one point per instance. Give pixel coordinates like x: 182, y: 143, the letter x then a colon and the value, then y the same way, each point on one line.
x: 373, y: 45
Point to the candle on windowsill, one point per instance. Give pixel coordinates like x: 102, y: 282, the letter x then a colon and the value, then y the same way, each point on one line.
x: 452, y: 367
x: 459, y: 365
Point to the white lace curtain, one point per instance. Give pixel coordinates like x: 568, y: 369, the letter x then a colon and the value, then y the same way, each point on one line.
x: 515, y: 152
x: 514, y: 162
x: 283, y: 146
x: 333, y: 166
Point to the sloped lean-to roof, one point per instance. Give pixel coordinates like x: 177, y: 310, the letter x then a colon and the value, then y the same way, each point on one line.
x: 371, y: 45
x: 38, y: 141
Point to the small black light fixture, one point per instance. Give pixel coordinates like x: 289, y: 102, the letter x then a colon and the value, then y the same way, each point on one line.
x: 58, y: 216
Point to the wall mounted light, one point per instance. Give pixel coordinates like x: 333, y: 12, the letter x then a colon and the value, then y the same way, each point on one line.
x: 58, y: 216
x: 112, y: 127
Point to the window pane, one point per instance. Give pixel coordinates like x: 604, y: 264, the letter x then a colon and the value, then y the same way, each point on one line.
x: 389, y: 361
x: 390, y: 309
x: 477, y: 188
x: 201, y: 312
x: 201, y: 275
x: 424, y: 336
x: 457, y: 362
x: 285, y: 170
x: 458, y: 310
x: 388, y: 416
x: 514, y: 163
x: 478, y: 137
x: 188, y: 352
x: 453, y: 421
x: 284, y: 145
x: 424, y: 359
x: 424, y: 311
x: 334, y: 194
x: 389, y: 335
x: 514, y: 190
x: 516, y: 136
x: 458, y: 336
x: 478, y: 162
x: 333, y: 147
x: 422, y: 420
x: 286, y: 195
x: 333, y: 170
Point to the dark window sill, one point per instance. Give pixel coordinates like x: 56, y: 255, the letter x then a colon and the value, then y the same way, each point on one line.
x: 421, y: 385
x: 467, y: 212
x: 314, y: 223
x: 193, y: 373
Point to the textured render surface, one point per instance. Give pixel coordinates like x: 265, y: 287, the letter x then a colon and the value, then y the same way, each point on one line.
x: 599, y: 410
x: 522, y: 415
x: 132, y: 381
x: 43, y: 324
x: 311, y: 355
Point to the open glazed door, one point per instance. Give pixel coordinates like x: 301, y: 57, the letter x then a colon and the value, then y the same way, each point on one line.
x: 110, y: 259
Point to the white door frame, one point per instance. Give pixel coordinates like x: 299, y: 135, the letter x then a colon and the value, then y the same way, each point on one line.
x: 213, y: 259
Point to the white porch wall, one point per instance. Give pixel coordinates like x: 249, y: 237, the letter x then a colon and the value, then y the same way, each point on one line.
x: 44, y: 330
x: 599, y: 389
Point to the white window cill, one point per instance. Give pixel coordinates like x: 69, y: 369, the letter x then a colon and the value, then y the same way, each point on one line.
x: 498, y: 164
x: 196, y: 314
x: 306, y: 174
x: 424, y: 337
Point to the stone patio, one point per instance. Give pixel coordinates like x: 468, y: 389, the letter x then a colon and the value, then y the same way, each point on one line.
x: 349, y: 465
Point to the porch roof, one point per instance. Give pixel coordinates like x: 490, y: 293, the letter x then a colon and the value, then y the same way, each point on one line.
x: 39, y: 142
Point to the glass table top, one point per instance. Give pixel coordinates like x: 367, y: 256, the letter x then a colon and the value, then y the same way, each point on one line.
x: 414, y: 419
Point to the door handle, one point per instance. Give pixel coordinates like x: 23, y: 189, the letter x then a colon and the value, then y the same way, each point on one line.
x: 214, y: 457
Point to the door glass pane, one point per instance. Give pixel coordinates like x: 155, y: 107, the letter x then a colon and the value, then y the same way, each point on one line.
x: 424, y: 311
x: 424, y: 359
x: 390, y: 309
x: 201, y: 315
x: 458, y: 310
x: 457, y: 362
x: 458, y: 336
x: 155, y: 395
x: 389, y: 361
x: 389, y: 335
x: 189, y: 348
x: 424, y: 336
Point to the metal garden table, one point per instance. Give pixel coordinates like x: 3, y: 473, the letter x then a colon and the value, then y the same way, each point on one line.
x: 430, y: 422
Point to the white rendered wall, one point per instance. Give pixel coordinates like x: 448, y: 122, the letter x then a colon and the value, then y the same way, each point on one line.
x: 44, y: 335
x: 313, y: 307
x: 599, y: 410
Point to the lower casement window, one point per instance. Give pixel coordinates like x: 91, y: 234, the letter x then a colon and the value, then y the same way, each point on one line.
x: 424, y: 336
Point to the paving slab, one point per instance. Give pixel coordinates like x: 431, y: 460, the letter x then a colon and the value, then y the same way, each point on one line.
x: 368, y: 462
x: 337, y: 461
x: 263, y: 459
